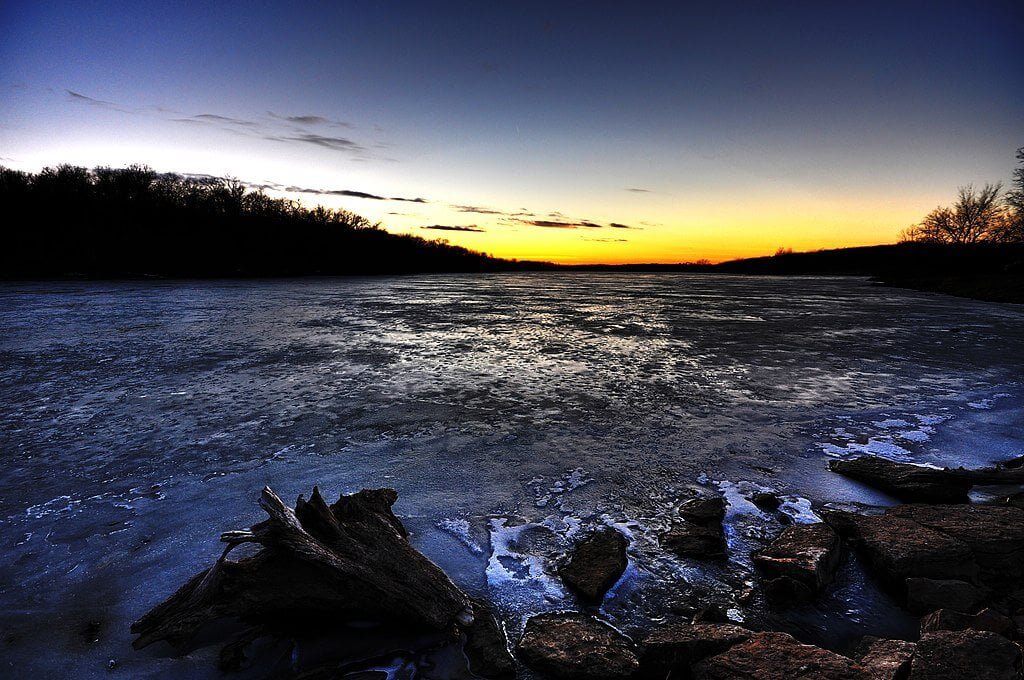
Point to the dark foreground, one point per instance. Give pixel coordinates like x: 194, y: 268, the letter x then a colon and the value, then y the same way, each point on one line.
x: 959, y: 566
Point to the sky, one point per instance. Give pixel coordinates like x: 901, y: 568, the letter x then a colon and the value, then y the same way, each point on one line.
x: 574, y: 132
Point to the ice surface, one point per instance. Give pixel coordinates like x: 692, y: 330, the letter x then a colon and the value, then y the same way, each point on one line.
x: 513, y: 413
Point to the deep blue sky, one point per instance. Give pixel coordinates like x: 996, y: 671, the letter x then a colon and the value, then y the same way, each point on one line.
x: 747, y: 125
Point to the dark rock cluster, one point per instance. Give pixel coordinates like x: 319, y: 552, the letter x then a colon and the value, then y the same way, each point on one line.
x: 959, y: 566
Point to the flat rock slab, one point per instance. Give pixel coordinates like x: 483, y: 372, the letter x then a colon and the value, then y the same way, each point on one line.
x: 596, y: 564
x: 914, y: 483
x: 986, y: 619
x: 674, y: 648
x: 776, y: 656
x: 806, y: 554
x: 977, y: 655
x: 577, y: 647
x: 925, y: 595
x: 978, y: 544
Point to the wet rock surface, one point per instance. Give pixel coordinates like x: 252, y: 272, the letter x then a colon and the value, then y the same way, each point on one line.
x: 924, y: 484
x: 698, y: 531
x: 577, y: 647
x: 980, y: 655
x: 776, y: 656
x: 486, y: 645
x: 596, y: 564
x: 885, y: 659
x: 673, y: 649
x: 905, y: 481
x: 800, y: 562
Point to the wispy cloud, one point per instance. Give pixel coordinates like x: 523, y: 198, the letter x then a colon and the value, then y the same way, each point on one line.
x: 335, y: 143
x: 446, y: 227
x: 310, y: 120
x: 272, y: 127
x: 91, y: 101
x: 476, y: 209
x: 638, y: 190
x: 619, y: 225
x: 607, y: 240
x: 350, y: 193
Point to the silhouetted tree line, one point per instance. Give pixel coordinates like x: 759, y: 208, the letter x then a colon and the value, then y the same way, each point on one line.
x: 984, y: 215
x: 71, y: 221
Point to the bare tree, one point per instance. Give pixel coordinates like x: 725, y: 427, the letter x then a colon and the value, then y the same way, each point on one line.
x: 978, y: 215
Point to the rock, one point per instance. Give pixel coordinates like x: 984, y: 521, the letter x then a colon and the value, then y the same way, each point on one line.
x: 776, y: 656
x: 955, y: 655
x: 993, y: 534
x: 907, y: 482
x: 897, y: 548
x: 672, y: 649
x: 886, y: 659
x: 986, y: 619
x: 925, y: 595
x: 577, y: 647
x: 596, y: 564
x: 768, y: 502
x: 807, y: 554
x: 917, y: 483
x: 703, y: 510
x: 699, y: 532
x: 693, y: 540
x: 486, y: 645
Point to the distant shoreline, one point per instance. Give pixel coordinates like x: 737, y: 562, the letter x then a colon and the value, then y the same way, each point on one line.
x: 988, y: 272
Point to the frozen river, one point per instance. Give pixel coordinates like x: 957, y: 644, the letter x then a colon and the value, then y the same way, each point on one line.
x: 511, y: 412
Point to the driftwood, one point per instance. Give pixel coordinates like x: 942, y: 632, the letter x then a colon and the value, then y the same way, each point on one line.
x: 349, y: 560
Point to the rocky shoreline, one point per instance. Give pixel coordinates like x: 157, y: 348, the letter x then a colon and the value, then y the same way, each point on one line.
x: 957, y: 565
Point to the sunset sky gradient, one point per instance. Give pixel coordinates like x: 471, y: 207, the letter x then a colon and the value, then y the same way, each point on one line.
x: 572, y: 131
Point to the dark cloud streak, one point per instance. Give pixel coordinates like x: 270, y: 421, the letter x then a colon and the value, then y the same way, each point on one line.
x: 445, y: 227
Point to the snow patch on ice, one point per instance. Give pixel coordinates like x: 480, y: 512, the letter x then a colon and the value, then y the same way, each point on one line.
x: 459, y: 528
x: 883, y: 447
x: 890, y: 423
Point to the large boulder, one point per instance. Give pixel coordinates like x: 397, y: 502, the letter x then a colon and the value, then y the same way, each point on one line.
x: 800, y: 562
x: 673, y: 649
x: 885, y: 659
x: 596, y: 564
x: 986, y: 619
x: 955, y: 655
x: 577, y: 647
x: 897, y: 548
x: 776, y: 656
x: 914, y: 483
x: 993, y: 534
x: 925, y: 595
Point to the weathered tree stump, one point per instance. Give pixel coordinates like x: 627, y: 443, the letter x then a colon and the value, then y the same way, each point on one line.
x: 349, y: 560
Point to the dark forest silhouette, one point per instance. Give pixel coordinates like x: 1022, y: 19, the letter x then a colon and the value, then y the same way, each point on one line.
x: 69, y: 221
x: 106, y: 222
